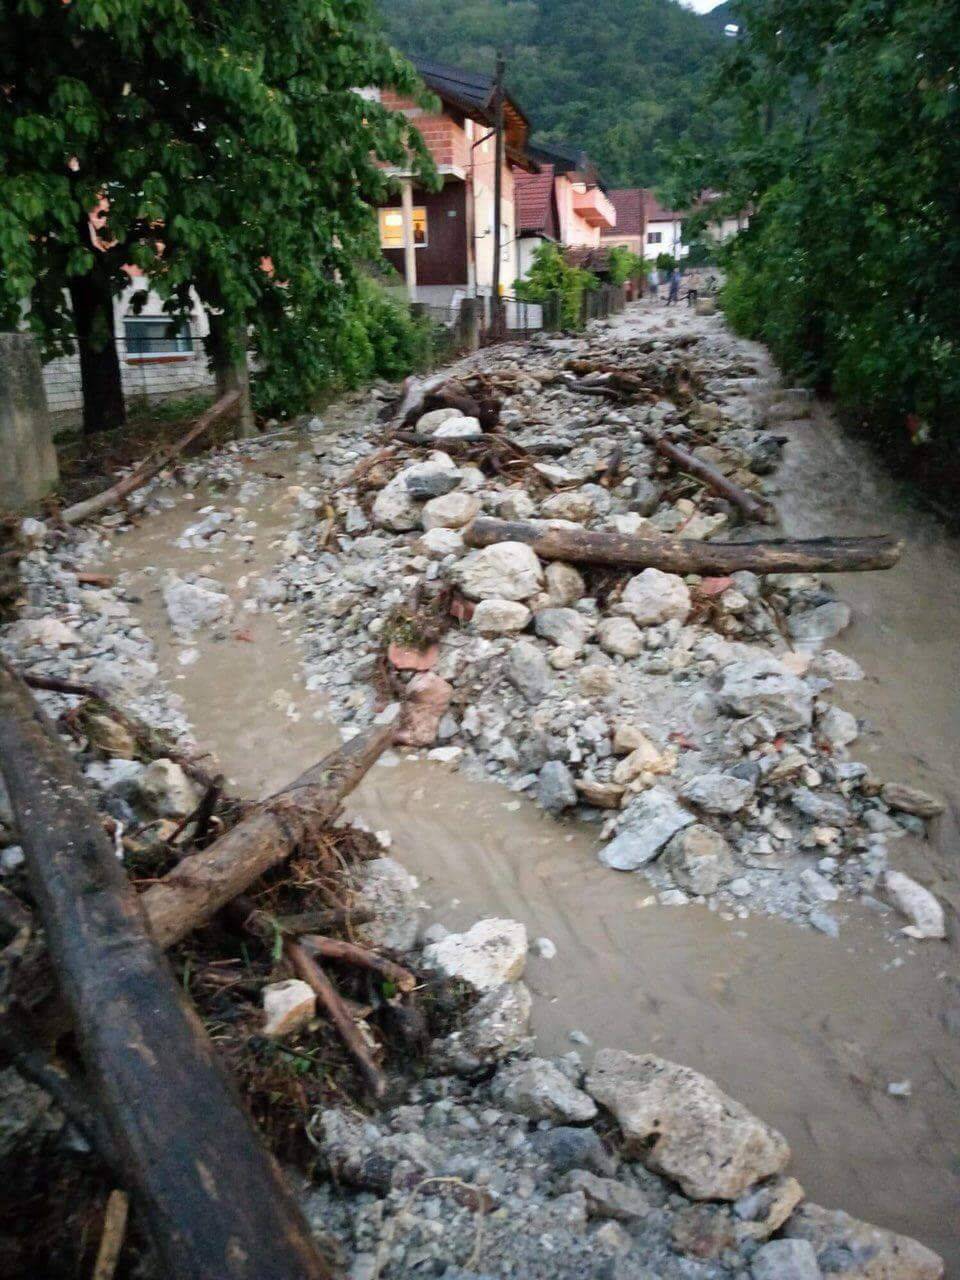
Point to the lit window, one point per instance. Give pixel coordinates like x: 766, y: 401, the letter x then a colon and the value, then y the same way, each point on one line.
x: 391, y: 228
x: 654, y: 237
x: 156, y: 336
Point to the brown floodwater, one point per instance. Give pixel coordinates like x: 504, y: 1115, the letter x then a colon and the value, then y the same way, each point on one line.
x: 805, y: 1030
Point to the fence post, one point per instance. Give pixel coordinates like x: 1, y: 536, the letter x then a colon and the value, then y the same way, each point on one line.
x: 468, y: 324
x: 29, y: 460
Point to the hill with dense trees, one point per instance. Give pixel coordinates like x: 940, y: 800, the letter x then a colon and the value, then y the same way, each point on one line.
x: 620, y: 78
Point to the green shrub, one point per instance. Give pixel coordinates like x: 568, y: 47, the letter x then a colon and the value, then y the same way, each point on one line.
x: 552, y: 280
x: 624, y: 265
x: 376, y: 336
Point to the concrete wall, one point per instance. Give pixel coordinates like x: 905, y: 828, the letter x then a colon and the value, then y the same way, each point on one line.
x: 28, y: 462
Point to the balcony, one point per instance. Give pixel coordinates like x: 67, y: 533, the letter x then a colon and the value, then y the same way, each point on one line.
x: 594, y: 208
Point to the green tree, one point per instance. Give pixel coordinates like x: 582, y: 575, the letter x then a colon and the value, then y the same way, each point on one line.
x: 553, y: 282
x: 232, y: 149
x: 624, y: 265
x: 847, y: 151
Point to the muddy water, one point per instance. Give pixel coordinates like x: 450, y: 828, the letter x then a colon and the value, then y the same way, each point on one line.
x: 805, y: 1030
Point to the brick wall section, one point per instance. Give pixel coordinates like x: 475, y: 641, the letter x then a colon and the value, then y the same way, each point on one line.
x: 444, y: 136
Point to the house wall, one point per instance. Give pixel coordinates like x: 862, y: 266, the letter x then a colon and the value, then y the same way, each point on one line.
x: 671, y: 239
x: 484, y: 171
x: 149, y: 378
x: 444, y: 132
x: 526, y: 248
x: 443, y: 259
x: 633, y: 243
x: 575, y: 233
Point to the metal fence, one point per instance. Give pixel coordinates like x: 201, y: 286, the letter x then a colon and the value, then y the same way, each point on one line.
x: 152, y: 369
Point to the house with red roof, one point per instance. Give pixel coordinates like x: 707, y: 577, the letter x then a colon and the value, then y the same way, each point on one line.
x: 564, y: 202
x: 648, y: 228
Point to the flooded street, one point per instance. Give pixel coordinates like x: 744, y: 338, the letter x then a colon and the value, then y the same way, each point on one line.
x: 805, y: 1030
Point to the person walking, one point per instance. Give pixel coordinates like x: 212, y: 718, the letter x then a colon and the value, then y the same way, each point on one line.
x: 674, y: 294
x: 654, y: 282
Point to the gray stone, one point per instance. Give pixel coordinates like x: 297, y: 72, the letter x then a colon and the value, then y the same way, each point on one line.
x: 459, y: 429
x: 191, y: 605
x: 389, y: 890
x: 680, y: 1124
x: 918, y: 904
x: 428, y: 422
x: 527, y: 670
x: 911, y: 800
x: 166, y: 790
x: 646, y: 497
x: 488, y: 954
x: 838, y: 728
x: 817, y: 887
x: 423, y: 485
x: 853, y: 1250
x: 821, y: 807
x: 822, y: 623
x: 573, y: 505
x: 785, y: 1260
x: 564, y: 1149
x: 607, y: 1198
x: 555, y: 787
x: 499, y: 617
x: 651, y: 820
x: 699, y: 859
x: 565, y: 584
x: 565, y: 627
x: 719, y: 792
x: 537, y: 1089
x: 506, y: 571
x: 764, y: 686
x: 496, y: 1027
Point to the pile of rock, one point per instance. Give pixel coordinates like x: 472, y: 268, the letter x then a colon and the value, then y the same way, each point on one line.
x: 506, y: 1163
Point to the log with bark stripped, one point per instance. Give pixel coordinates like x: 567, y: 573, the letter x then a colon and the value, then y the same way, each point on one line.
x: 201, y: 884
x: 215, y: 1202
x: 686, y: 555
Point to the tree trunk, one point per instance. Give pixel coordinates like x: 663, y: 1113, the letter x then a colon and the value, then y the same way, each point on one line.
x: 227, y: 348
x: 686, y: 555
x: 92, y: 303
x: 215, y: 1202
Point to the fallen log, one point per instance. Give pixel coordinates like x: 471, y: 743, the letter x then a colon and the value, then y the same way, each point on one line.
x: 201, y: 884
x: 216, y: 1204
x: 686, y: 555
x: 152, y: 467
x: 753, y: 508
x: 489, y: 439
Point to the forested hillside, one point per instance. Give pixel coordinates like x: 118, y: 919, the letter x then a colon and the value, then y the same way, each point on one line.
x: 619, y: 77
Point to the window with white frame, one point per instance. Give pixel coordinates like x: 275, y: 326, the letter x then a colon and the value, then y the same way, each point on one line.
x: 391, y: 228
x: 148, y: 336
x: 654, y: 237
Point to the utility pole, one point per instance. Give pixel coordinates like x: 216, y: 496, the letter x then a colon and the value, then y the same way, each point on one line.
x: 496, y: 311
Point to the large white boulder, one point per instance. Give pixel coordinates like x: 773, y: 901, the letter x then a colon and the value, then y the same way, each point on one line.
x: 652, y: 597
x: 499, y: 617
x: 506, y: 571
x: 679, y: 1123
x: 451, y: 511
x: 488, y: 954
